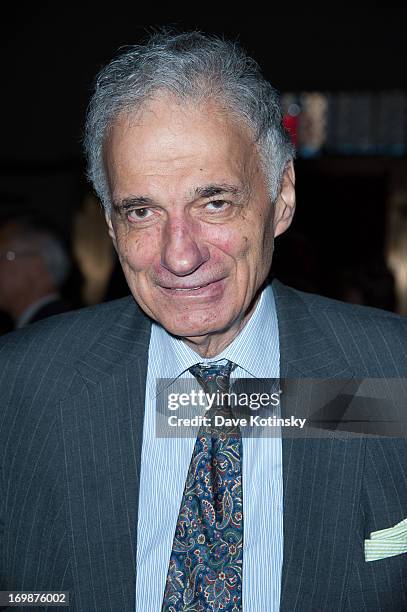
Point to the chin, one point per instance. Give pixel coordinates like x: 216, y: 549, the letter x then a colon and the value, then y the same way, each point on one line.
x: 191, y: 328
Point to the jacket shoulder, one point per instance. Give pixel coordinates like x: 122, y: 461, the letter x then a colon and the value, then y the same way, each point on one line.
x: 49, y: 348
x: 68, y: 330
x: 355, y: 316
x: 372, y: 342
x: 318, y: 304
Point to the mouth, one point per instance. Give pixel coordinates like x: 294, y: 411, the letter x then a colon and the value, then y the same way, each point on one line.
x: 189, y: 288
x: 210, y: 289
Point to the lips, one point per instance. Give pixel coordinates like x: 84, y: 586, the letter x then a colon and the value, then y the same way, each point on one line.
x: 189, y: 287
x: 206, y: 289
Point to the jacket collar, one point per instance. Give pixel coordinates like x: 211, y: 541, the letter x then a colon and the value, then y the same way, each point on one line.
x: 121, y: 340
x: 305, y: 350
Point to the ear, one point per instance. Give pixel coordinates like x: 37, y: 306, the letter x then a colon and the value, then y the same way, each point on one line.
x: 112, y: 233
x: 285, y: 204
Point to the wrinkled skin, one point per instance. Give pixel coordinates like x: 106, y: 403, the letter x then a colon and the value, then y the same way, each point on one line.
x: 192, y: 220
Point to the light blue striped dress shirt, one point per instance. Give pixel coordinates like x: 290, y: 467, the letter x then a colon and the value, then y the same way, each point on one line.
x: 165, y: 463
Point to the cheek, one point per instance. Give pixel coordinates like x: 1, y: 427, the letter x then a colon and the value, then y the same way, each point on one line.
x: 230, y: 242
x: 136, y: 252
x: 267, y: 244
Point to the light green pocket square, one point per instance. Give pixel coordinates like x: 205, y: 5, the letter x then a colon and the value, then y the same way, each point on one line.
x: 387, y: 542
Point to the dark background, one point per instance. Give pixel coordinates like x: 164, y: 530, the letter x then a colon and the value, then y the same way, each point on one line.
x: 52, y: 51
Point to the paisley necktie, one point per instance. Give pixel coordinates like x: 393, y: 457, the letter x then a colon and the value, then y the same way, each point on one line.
x: 206, y: 563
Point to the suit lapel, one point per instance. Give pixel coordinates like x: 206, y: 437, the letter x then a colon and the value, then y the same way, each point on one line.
x: 321, y: 475
x: 102, y: 429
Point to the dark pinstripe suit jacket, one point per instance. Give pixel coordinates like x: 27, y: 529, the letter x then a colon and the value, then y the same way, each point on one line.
x: 72, y: 402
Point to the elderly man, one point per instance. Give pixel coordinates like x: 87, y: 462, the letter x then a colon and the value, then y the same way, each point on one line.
x: 188, y: 155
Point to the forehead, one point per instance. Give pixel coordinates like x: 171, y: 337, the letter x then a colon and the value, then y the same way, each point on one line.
x: 186, y: 144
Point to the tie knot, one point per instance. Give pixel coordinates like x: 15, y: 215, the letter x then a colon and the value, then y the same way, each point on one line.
x: 216, y: 373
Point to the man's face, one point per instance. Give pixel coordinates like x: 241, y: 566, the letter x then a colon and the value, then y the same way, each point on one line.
x: 192, y: 221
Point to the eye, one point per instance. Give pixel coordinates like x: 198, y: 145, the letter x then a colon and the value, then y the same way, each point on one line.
x: 139, y: 214
x: 217, y: 205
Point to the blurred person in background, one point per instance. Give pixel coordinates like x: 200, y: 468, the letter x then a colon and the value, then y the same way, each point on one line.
x: 34, y: 265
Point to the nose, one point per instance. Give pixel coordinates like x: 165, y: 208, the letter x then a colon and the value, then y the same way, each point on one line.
x: 181, y: 252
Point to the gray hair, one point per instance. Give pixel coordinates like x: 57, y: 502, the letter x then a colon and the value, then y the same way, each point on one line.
x: 48, y: 246
x: 191, y: 66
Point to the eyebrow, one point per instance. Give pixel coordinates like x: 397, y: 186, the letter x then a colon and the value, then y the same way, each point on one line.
x: 209, y: 191
x: 206, y: 191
